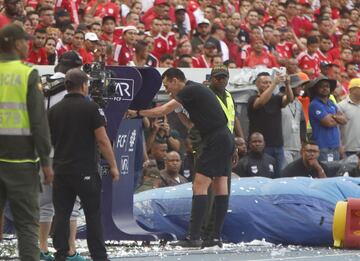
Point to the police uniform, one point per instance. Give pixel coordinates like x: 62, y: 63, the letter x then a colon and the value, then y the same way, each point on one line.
x: 24, y: 142
x: 254, y: 164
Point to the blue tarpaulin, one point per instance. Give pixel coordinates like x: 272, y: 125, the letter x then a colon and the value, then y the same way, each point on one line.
x: 287, y: 211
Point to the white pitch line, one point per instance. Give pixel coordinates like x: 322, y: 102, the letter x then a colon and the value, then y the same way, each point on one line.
x: 298, y: 257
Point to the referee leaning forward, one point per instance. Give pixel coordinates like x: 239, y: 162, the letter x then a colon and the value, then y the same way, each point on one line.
x: 214, y: 163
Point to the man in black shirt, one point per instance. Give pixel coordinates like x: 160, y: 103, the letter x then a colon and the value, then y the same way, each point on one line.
x: 308, y: 165
x: 264, y: 111
x: 256, y: 162
x: 214, y: 163
x: 76, y: 126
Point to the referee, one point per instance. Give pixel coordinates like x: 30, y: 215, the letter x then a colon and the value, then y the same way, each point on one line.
x: 214, y: 162
x: 76, y: 126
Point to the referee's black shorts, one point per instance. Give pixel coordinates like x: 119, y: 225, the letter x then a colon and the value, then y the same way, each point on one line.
x: 216, y: 155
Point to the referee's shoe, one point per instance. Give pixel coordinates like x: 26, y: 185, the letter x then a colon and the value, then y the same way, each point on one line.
x: 188, y: 242
x: 211, y: 242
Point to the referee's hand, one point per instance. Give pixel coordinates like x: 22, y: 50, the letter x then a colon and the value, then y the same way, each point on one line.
x: 131, y: 114
x: 114, y: 174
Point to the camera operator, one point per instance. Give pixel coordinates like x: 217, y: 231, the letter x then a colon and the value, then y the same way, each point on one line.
x: 76, y: 127
x: 54, y: 87
x: 55, y: 91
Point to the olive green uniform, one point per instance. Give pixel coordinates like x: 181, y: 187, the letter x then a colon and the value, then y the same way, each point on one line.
x: 21, y: 149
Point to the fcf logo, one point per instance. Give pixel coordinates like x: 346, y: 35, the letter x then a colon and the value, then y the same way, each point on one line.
x: 121, y: 141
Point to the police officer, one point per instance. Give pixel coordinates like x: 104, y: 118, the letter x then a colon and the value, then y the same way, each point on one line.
x: 256, y: 162
x: 24, y: 139
x: 219, y: 79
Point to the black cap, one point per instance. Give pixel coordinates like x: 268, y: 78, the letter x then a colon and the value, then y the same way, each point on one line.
x: 62, y: 13
x: 12, y: 32
x: 108, y: 17
x: 11, y: 1
x: 220, y: 70
x: 210, y: 43
x: 71, y: 59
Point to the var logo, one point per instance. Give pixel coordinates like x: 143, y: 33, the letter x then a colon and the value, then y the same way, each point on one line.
x: 124, y: 165
x: 124, y: 89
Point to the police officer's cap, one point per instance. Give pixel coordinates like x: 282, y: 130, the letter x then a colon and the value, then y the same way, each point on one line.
x: 220, y: 70
x: 12, y: 32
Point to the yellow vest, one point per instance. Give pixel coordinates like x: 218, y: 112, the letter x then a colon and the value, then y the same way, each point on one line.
x: 229, y: 110
x: 14, y: 117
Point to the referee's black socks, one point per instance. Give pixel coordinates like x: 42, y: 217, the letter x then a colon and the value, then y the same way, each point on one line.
x: 198, y: 212
x: 221, y: 207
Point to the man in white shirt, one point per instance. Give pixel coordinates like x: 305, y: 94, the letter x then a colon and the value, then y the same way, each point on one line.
x: 350, y: 106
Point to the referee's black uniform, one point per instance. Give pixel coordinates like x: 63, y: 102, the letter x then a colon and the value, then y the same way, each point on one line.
x: 217, y: 148
x: 72, y: 125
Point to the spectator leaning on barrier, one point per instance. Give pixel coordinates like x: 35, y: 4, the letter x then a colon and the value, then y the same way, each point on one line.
x: 308, y: 165
x: 264, y: 112
x: 350, y: 107
x: 170, y: 176
x: 256, y: 162
x: 158, y: 151
x: 76, y: 125
x: 293, y: 119
x: 24, y: 139
x: 325, y: 118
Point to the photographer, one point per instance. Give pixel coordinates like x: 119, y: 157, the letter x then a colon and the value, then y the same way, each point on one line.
x: 77, y: 126
x: 264, y: 112
x: 161, y: 132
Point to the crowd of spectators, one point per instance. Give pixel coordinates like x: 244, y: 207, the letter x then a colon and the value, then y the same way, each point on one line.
x: 299, y: 34
x: 311, y: 38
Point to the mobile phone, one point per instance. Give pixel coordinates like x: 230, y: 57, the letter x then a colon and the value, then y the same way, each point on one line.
x: 207, y: 77
x: 282, y: 70
x: 161, y: 119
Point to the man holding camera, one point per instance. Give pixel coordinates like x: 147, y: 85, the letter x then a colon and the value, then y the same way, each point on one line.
x: 264, y: 111
x: 77, y: 126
